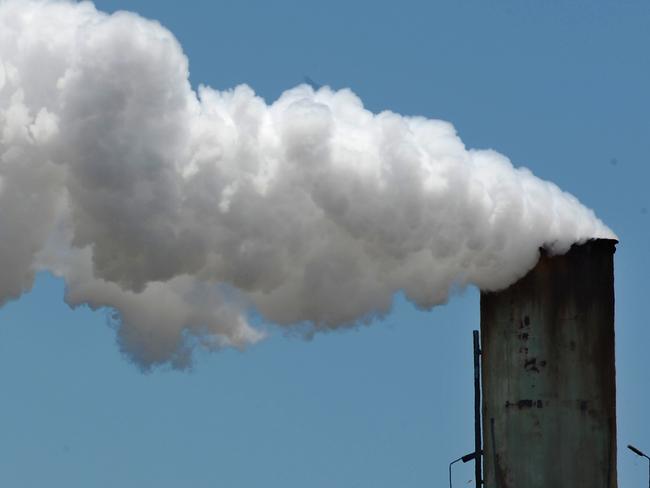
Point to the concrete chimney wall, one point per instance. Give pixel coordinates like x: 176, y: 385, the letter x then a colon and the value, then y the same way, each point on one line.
x: 549, y: 392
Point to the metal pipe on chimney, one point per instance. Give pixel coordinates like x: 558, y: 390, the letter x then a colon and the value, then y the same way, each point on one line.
x: 478, y: 475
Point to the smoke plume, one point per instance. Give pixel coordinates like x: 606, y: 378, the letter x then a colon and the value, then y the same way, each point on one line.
x: 182, y: 210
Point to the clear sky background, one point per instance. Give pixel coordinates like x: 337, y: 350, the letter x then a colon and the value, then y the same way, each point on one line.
x: 559, y: 87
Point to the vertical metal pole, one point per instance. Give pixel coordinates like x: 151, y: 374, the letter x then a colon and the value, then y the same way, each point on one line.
x: 477, y: 411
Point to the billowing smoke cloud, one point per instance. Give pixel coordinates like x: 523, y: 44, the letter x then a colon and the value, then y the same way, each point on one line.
x: 182, y: 210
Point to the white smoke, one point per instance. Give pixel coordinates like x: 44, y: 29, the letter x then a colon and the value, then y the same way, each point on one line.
x: 183, y: 210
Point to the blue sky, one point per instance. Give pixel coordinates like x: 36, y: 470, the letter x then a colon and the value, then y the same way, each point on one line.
x: 559, y: 87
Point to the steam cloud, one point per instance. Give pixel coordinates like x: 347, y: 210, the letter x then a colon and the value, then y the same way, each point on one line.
x: 182, y: 210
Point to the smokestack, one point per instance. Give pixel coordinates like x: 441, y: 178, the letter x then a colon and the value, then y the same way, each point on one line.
x: 549, y: 393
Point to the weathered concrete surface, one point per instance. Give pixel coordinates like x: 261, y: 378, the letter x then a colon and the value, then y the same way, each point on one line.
x: 549, y: 394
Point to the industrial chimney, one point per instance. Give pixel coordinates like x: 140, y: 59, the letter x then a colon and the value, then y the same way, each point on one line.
x: 549, y: 393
